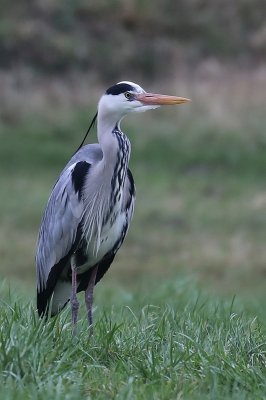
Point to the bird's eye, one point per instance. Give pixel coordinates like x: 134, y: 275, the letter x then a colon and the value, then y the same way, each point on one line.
x: 128, y: 95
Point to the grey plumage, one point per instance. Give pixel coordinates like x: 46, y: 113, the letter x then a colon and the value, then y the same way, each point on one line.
x: 90, y: 207
x: 74, y: 220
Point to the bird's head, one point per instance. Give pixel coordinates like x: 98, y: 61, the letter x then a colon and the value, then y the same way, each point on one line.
x: 124, y: 98
x: 127, y: 97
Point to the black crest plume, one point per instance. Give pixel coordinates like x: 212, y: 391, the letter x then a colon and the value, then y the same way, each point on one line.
x: 91, y: 125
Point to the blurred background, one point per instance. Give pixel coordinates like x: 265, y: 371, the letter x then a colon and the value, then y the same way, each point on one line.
x: 200, y: 168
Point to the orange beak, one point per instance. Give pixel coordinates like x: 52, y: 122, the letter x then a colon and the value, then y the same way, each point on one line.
x: 150, y: 99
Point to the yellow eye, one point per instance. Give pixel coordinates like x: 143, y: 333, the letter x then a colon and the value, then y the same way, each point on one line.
x: 128, y: 95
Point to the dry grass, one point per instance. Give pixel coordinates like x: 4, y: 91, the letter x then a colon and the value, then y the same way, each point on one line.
x: 221, y: 94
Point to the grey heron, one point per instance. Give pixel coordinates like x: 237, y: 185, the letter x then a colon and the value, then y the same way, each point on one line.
x: 90, y: 207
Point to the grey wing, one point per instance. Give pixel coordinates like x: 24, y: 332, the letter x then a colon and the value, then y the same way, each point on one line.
x: 63, y: 213
x: 59, y: 226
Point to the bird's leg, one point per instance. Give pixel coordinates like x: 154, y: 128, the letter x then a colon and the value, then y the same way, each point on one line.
x: 89, y: 296
x: 74, y: 300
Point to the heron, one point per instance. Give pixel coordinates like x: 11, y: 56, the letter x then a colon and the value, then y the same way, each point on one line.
x: 90, y: 207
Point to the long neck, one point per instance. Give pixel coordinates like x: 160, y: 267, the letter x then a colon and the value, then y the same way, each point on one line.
x: 107, y: 140
x: 115, y: 146
x: 110, y: 136
x: 110, y: 172
x: 116, y: 152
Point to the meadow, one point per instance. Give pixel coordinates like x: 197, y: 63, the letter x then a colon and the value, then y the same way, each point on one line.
x: 181, y: 313
x: 175, y: 343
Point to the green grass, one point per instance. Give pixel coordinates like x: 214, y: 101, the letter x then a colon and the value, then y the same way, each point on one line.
x: 177, y: 343
x: 200, y: 212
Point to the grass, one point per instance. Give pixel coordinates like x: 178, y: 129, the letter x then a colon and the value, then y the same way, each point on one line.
x: 200, y: 212
x: 175, y: 343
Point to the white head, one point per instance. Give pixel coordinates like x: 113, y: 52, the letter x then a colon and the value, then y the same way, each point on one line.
x: 128, y: 97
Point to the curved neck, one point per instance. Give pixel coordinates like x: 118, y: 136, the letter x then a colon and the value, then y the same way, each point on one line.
x: 107, y: 140
x: 115, y: 145
x: 108, y: 119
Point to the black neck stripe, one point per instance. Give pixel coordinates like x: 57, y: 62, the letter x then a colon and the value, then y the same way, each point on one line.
x: 119, y: 88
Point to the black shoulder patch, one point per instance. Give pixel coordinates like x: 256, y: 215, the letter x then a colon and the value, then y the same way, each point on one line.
x: 119, y: 88
x: 78, y: 176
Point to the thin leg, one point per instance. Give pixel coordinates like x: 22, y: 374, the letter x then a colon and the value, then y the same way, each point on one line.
x: 74, y: 300
x: 89, y: 296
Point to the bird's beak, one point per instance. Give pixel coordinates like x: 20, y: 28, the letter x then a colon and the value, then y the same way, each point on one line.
x: 149, y: 99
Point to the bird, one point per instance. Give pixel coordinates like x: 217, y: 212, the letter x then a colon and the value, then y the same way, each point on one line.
x: 90, y: 207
